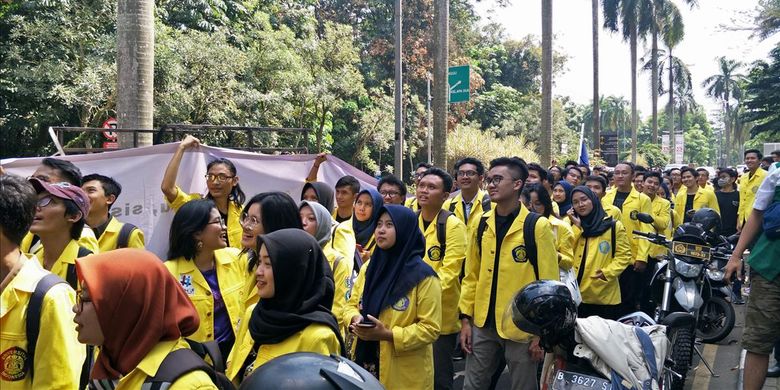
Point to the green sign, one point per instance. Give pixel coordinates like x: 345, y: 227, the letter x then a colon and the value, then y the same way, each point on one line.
x: 458, y: 80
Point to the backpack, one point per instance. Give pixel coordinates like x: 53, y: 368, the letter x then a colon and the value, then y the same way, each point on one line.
x: 485, y: 204
x: 124, y: 235
x: 70, y: 273
x: 441, y: 228
x: 183, y: 361
x: 771, y: 224
x: 529, y: 230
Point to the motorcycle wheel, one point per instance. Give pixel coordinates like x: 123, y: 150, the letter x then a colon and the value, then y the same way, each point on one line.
x: 716, y: 320
x: 682, y: 351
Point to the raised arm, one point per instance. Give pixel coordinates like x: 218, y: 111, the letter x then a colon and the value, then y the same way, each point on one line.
x: 315, y: 169
x: 168, y: 185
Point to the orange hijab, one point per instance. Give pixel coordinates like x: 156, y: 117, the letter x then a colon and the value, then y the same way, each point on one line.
x: 138, y: 304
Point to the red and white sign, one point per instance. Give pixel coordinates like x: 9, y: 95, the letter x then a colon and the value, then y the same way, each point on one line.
x: 110, y: 123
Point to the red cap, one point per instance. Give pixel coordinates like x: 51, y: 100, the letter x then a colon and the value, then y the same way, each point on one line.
x: 64, y: 190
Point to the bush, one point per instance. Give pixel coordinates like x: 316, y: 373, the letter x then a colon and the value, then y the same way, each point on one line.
x: 467, y: 140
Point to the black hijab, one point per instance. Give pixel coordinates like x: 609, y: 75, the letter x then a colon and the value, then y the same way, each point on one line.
x: 324, y: 193
x: 565, y: 206
x: 597, y: 222
x: 365, y: 229
x: 303, y: 285
x: 392, y: 273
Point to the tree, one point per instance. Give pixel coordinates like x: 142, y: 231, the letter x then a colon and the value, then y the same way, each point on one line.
x: 761, y: 99
x: 546, y: 131
x: 135, y: 69
x: 767, y: 19
x: 724, y: 87
x: 595, y: 106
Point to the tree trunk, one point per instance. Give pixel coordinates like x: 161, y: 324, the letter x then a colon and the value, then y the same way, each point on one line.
x: 670, y: 112
x: 135, y: 69
x: 398, y: 160
x: 596, y: 98
x: 727, y: 128
x: 545, y: 142
x: 654, y: 84
x: 634, y: 115
x: 441, y: 17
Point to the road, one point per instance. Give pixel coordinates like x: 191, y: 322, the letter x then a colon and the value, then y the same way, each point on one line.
x: 724, y: 357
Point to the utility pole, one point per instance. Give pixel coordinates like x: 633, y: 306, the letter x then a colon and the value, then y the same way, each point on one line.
x: 398, y: 166
x: 545, y: 143
x: 441, y: 18
x: 429, y: 120
x: 135, y: 69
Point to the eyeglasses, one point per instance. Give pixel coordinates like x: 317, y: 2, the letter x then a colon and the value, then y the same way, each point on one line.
x: 389, y: 194
x: 219, y: 221
x: 218, y: 178
x: 494, y: 180
x: 466, y: 174
x: 417, y: 175
x: 249, y: 221
x: 43, y: 202
x: 80, y: 300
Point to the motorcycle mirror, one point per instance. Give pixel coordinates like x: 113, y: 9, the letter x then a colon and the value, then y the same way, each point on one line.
x: 733, y: 239
x: 643, y: 217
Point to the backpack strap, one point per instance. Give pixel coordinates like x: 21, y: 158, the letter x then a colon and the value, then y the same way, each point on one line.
x: 33, y: 316
x: 481, y: 232
x: 453, y: 205
x: 175, y: 365
x: 70, y: 272
x: 584, y: 260
x: 441, y: 230
x: 614, y: 240
x: 485, y: 202
x: 529, y: 230
x: 124, y: 235
x: 210, y: 349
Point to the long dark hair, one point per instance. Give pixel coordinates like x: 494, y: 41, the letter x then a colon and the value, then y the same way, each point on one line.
x: 277, y: 211
x: 236, y: 193
x: 191, y: 218
x: 541, y: 194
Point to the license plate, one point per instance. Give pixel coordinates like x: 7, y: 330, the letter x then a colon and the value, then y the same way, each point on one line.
x: 691, y: 250
x: 567, y: 380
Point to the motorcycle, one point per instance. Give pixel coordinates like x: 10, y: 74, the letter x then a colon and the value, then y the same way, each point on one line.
x: 680, y: 287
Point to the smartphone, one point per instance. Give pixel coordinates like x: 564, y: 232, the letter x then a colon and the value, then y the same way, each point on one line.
x: 359, y: 247
x: 366, y: 324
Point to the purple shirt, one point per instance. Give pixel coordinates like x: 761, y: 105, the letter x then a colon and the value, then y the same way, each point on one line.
x: 223, y: 330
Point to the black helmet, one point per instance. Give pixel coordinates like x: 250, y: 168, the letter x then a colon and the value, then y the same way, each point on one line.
x: 692, y: 233
x: 311, y: 371
x: 708, y: 218
x: 544, y: 308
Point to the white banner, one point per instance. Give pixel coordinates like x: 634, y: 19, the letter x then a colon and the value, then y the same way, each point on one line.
x: 140, y: 172
x: 679, y: 148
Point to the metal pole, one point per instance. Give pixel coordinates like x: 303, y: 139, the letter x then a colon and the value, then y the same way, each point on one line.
x: 399, y: 90
x: 429, y: 116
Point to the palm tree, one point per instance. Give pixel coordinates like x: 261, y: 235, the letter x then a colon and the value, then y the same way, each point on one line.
x: 135, y: 69
x: 545, y: 143
x: 725, y: 86
x: 596, y: 106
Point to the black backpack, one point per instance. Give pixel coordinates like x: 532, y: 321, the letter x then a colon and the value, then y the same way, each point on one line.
x: 529, y: 230
x: 441, y: 229
x: 70, y: 273
x: 183, y: 361
x: 124, y: 235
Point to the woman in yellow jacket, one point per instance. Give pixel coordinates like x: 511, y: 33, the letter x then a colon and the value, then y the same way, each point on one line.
x: 137, y: 330
x: 221, y: 182
x: 264, y: 213
x: 295, y: 285
x: 318, y: 222
x: 364, y: 217
x: 535, y: 198
x: 598, y: 258
x: 395, y: 309
x: 211, y: 274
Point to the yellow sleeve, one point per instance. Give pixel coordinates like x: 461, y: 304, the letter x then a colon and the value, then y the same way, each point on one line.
x: 353, y: 305
x: 425, y: 330
x: 340, y: 278
x: 661, y: 221
x: 469, y: 282
x: 88, y: 240
x: 622, y: 257
x: 344, y: 243
x: 449, y: 272
x: 136, y: 239
x: 712, y: 202
x: 59, y: 355
x: 643, y: 246
x: 565, y: 241
x: 235, y: 358
x: 547, y: 260
x: 181, y: 198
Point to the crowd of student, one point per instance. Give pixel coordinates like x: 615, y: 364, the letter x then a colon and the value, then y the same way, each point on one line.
x: 400, y: 284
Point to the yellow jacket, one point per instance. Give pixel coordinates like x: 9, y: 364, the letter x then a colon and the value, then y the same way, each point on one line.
x: 564, y: 241
x: 343, y: 281
x: 411, y: 202
x: 148, y: 367
x: 231, y: 273
x: 613, y: 211
x: 662, y: 223
x: 317, y: 338
x: 636, y: 202
x: 343, y: 242
x: 67, y: 259
x: 59, y: 355
x: 407, y: 361
x: 702, y: 198
x: 234, y: 229
x: 110, y: 237
x: 514, y: 270
x: 476, y: 209
x: 748, y: 186
x: 599, y: 257
x: 86, y: 240
x: 447, y: 266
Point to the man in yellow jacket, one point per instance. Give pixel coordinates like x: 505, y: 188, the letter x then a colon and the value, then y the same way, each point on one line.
x: 691, y: 198
x: 446, y: 258
x: 631, y: 202
x: 748, y: 185
x: 662, y: 215
x: 500, y: 261
x: 112, y: 234
x: 57, y: 360
x: 472, y: 201
x: 411, y: 202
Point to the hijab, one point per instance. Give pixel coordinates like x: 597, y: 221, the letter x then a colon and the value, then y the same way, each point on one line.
x: 303, y: 285
x: 364, y: 230
x: 324, y: 193
x: 138, y: 304
x: 325, y: 222
x: 392, y: 273
x: 597, y: 222
x: 563, y: 207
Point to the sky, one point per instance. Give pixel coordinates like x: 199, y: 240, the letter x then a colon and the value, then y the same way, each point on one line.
x: 714, y: 28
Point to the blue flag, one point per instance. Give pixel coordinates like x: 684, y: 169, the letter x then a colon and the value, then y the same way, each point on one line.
x: 583, y: 155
